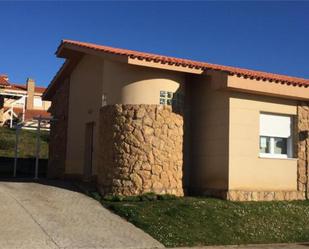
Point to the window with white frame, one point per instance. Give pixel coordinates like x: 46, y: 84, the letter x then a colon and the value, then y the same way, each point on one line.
x: 276, y: 136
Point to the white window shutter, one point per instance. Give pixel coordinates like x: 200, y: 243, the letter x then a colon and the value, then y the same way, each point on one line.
x: 275, y: 125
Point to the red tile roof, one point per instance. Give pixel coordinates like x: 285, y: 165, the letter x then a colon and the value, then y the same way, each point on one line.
x: 30, y: 114
x: 21, y: 87
x: 240, y: 72
x: 38, y: 89
x: 3, y: 81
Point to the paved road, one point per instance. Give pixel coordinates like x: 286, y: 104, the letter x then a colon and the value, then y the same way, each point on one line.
x: 37, y: 216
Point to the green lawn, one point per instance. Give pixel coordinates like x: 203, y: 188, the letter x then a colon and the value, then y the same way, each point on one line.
x: 203, y: 221
x: 27, y: 143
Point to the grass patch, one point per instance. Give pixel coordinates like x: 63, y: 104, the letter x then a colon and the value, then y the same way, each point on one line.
x: 204, y: 221
x: 27, y: 143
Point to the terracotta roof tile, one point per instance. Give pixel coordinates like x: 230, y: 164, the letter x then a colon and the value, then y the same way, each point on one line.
x: 38, y: 89
x: 30, y: 114
x: 3, y: 81
x: 240, y: 72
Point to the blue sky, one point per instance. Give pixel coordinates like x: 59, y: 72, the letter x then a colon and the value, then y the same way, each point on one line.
x: 267, y: 36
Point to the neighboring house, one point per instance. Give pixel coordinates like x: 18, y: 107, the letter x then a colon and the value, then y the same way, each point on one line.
x: 21, y: 103
x: 139, y: 122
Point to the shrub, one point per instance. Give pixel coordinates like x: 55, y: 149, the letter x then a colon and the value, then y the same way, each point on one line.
x: 7, y: 144
x: 167, y: 197
x: 148, y: 197
x: 133, y: 198
x: 136, y: 198
x: 96, y: 196
x: 115, y: 198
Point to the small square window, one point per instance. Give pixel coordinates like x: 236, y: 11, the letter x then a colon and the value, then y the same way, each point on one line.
x: 276, y: 136
x: 173, y: 99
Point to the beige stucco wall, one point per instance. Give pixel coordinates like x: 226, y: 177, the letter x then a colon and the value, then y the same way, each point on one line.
x: 84, y: 105
x: 208, y: 124
x: 122, y: 84
x: 224, y: 131
x: 129, y: 84
x: 247, y: 171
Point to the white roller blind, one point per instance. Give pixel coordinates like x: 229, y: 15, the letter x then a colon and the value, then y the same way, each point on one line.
x: 275, y: 125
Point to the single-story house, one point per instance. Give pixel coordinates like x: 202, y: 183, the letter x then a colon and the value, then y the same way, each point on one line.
x: 137, y: 122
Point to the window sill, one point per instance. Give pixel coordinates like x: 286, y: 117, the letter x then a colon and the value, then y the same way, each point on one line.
x: 277, y: 158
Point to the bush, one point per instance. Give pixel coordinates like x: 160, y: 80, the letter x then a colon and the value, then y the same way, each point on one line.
x: 7, y: 144
x: 115, y: 198
x: 96, y: 196
x: 167, y: 197
x: 136, y: 198
x: 149, y: 197
x: 133, y: 198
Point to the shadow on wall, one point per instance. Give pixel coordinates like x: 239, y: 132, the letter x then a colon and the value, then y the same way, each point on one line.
x: 178, y: 107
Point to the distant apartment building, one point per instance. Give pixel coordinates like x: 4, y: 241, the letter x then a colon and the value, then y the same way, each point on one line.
x: 21, y: 103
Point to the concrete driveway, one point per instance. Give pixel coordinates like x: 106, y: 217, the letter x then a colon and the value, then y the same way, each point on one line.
x: 34, y: 215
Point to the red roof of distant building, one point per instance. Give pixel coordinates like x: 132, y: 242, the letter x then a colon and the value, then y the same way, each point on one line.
x: 38, y: 89
x: 3, y: 81
x: 18, y: 87
x: 30, y: 114
x: 252, y: 74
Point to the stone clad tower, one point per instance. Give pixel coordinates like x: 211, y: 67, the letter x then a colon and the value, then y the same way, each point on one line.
x: 141, y: 150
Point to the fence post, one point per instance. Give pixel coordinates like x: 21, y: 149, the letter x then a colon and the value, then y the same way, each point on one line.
x: 38, y: 149
x: 16, y: 150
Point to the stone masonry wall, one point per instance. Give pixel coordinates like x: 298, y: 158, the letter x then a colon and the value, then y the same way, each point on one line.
x: 303, y: 146
x: 248, y: 195
x: 58, y: 131
x: 141, y: 150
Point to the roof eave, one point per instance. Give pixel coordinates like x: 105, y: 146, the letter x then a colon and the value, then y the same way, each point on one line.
x: 62, y: 73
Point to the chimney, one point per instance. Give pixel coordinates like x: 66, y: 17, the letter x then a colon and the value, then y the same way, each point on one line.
x: 30, y: 92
